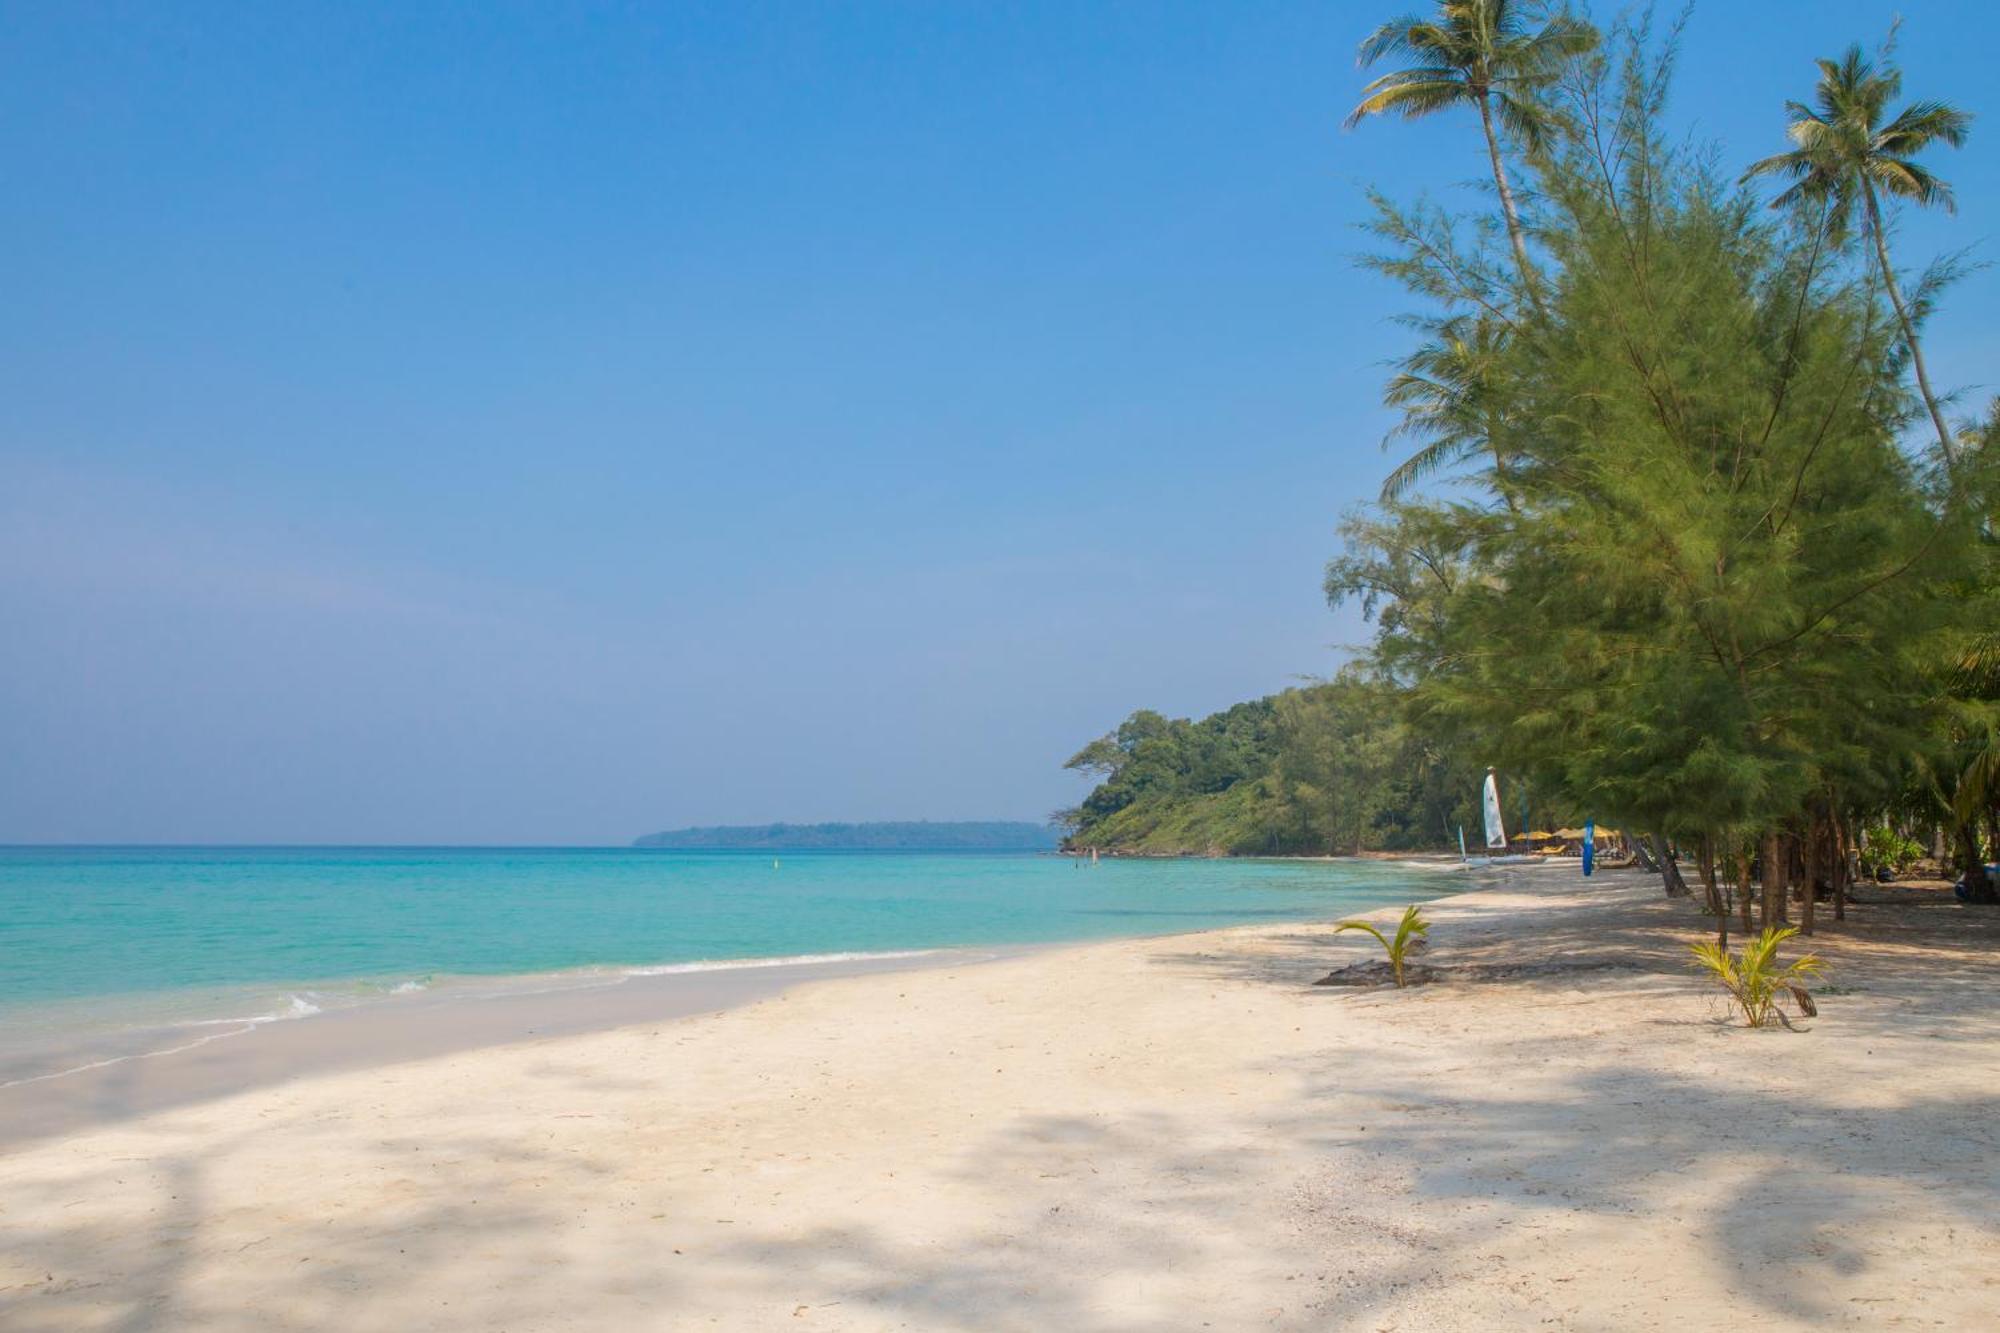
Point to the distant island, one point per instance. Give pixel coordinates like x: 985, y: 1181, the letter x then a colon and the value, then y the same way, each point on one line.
x: 892, y: 836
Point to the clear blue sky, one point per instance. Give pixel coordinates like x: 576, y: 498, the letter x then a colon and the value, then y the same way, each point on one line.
x: 549, y: 423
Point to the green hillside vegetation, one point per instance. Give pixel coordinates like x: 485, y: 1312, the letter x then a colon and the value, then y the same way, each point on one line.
x: 1326, y: 768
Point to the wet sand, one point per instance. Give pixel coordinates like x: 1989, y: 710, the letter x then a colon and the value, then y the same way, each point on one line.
x: 131, y: 1075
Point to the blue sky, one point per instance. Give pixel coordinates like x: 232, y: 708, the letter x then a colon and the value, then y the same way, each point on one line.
x: 548, y: 423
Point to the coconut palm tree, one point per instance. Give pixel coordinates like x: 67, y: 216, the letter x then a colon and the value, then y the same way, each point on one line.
x: 1482, y: 54
x: 1447, y: 393
x: 1850, y: 150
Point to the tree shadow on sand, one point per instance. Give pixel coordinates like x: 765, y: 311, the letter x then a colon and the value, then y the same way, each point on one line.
x: 1310, y: 1219
x: 1391, y: 1180
x: 191, y: 1265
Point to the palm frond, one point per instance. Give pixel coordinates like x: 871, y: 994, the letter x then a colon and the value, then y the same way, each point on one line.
x: 1906, y: 180
x: 1411, y: 93
x: 1525, y: 119
x: 1382, y: 939
x: 1410, y: 932
x: 1841, y: 142
x: 1409, y: 35
x: 1795, y: 164
x: 1921, y: 124
x: 1425, y: 462
x: 1754, y: 979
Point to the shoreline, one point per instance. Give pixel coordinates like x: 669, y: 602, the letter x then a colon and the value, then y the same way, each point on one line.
x: 321, y: 1026
x: 214, y: 934
x: 1158, y: 1132
x: 103, y: 1039
x: 118, y: 1081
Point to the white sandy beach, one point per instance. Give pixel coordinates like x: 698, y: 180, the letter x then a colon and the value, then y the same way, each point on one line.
x: 1175, y: 1133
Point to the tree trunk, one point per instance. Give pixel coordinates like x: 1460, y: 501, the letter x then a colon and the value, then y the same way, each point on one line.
x: 1670, y: 873
x: 1677, y: 885
x: 1788, y: 875
x: 1743, y: 885
x: 1773, y: 883
x: 1903, y: 314
x: 1815, y: 843
x: 1842, y: 868
x: 1507, y: 206
x: 1978, y: 884
x: 1717, y: 905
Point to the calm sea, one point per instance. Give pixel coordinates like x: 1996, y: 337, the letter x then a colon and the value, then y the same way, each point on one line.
x: 98, y: 939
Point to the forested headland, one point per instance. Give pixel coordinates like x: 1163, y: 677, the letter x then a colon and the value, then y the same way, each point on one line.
x: 922, y: 835
x: 1325, y: 768
x: 1679, y: 535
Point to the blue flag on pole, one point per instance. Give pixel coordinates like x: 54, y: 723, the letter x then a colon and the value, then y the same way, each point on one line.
x: 1589, y: 846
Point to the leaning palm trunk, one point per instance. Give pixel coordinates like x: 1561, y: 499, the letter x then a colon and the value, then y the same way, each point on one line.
x: 1487, y: 53
x: 1848, y: 146
x: 1508, y: 209
x: 1909, y: 328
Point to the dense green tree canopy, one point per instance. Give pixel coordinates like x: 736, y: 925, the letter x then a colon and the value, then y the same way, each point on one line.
x: 1688, y: 561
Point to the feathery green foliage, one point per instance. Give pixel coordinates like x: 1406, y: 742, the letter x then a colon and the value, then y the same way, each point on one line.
x: 1450, y: 400
x: 1701, y: 580
x: 1691, y: 580
x: 1883, y: 848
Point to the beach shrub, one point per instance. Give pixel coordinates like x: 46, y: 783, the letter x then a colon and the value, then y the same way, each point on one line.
x: 1755, y: 981
x: 1882, y: 848
x: 1408, y: 939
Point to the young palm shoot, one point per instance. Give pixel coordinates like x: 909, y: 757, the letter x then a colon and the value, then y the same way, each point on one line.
x: 1756, y: 983
x: 1408, y: 938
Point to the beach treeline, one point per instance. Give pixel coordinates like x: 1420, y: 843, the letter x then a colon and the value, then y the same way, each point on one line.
x: 1333, y: 767
x: 1679, y: 533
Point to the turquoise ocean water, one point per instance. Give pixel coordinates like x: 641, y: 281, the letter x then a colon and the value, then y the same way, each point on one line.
x: 95, y: 939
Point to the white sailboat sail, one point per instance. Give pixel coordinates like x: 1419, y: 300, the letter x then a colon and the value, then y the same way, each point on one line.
x: 1496, y: 833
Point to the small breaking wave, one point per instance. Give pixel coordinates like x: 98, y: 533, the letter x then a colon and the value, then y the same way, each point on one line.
x: 306, y: 1003
x: 788, y: 960
x: 295, y: 1006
